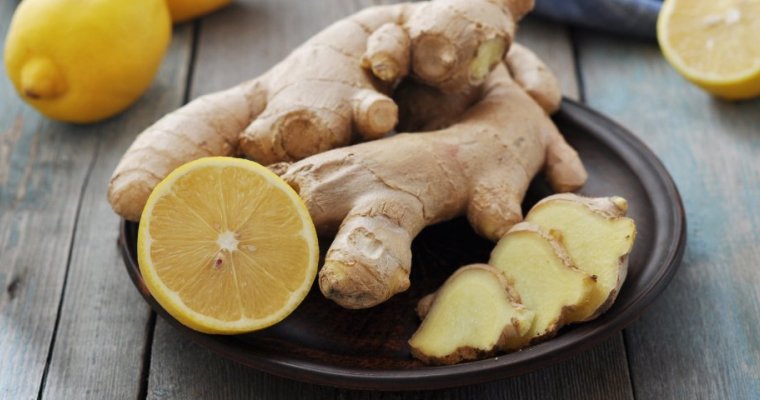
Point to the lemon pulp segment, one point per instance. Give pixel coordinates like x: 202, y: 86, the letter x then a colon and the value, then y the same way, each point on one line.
x: 225, y: 246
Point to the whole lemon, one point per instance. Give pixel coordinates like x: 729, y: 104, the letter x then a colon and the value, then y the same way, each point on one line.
x: 84, y: 61
x: 185, y: 10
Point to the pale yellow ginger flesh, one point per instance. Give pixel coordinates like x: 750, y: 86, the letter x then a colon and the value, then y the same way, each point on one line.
x: 541, y: 272
x: 324, y: 92
x: 488, y: 55
x: 472, y: 316
x: 598, y: 238
x: 566, y: 264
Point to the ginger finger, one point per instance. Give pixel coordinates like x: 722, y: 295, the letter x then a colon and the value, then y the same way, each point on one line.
x: 374, y: 114
x: 494, y: 204
x: 456, y: 43
x: 451, y: 45
x: 387, y: 54
x: 207, y: 126
x: 377, y: 232
x: 564, y: 169
x: 535, y: 77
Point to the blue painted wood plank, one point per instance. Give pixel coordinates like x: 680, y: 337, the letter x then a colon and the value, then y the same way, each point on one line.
x: 699, y: 340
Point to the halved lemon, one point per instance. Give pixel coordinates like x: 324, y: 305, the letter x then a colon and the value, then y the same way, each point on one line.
x: 714, y: 44
x: 226, y: 246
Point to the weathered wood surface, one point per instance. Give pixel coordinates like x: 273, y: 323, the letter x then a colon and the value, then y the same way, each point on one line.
x: 72, y: 325
x: 700, y: 339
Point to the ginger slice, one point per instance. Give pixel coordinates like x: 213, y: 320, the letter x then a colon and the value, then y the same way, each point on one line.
x: 473, y: 315
x: 597, y: 236
x: 539, y: 269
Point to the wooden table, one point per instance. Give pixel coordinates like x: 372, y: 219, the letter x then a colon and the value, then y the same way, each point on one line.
x: 73, y: 326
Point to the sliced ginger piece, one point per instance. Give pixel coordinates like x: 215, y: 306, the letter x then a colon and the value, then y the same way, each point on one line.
x: 597, y: 236
x: 541, y: 272
x: 473, y: 315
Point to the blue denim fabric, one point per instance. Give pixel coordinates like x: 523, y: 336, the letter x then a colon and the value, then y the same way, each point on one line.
x: 630, y: 17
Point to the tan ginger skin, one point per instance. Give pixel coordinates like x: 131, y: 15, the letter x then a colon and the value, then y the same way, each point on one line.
x: 324, y: 91
x: 379, y: 195
x: 423, y: 107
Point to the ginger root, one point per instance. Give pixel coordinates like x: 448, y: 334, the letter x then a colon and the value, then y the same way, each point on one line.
x: 473, y: 315
x: 565, y: 264
x: 379, y: 195
x: 598, y: 238
x: 317, y: 97
x: 535, y: 77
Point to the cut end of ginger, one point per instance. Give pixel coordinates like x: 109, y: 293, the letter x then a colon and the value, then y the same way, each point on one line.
x: 597, y: 237
x: 539, y: 269
x: 564, y: 264
x: 470, y: 317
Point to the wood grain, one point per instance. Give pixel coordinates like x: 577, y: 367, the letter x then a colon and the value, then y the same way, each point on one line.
x: 101, y: 335
x: 264, y: 32
x: 597, y: 374
x: 43, y: 168
x: 699, y: 340
x: 183, y: 370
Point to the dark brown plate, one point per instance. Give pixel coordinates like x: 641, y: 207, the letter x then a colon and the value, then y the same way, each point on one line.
x: 323, y: 343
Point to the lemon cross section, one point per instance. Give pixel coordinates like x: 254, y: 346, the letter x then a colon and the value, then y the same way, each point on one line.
x: 225, y: 246
x: 714, y: 44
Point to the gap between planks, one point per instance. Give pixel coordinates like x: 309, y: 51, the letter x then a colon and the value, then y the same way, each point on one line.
x: 57, y: 323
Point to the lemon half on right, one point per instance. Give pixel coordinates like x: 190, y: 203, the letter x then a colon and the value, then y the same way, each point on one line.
x: 714, y: 43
